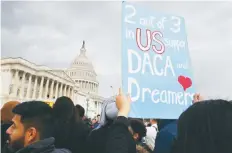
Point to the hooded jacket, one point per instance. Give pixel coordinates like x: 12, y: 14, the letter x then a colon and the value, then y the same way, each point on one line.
x: 166, y: 136
x: 43, y: 146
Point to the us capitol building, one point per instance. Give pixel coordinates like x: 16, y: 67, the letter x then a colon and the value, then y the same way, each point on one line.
x: 22, y: 80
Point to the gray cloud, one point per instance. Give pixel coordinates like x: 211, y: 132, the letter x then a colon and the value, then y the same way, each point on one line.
x: 51, y: 33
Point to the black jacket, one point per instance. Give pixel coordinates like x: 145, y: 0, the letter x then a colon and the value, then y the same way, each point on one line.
x: 43, y: 146
x: 74, y: 138
x: 112, y: 138
x: 120, y: 140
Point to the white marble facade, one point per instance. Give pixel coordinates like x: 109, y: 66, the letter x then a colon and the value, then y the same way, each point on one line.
x: 23, y: 81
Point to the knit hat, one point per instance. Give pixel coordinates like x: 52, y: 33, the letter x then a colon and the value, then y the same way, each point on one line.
x: 109, y: 111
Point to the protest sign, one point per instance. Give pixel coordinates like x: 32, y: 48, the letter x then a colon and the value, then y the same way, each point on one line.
x: 156, y: 68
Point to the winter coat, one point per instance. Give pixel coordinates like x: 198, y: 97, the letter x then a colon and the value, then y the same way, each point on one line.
x: 43, y: 146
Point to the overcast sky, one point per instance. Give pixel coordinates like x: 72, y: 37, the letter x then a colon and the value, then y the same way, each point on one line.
x: 51, y: 34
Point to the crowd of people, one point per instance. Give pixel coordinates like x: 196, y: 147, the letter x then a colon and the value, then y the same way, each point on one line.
x: 35, y: 127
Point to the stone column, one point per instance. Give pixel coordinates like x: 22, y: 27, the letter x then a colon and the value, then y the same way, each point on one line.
x: 46, y: 88
x: 29, y: 87
x: 70, y: 91
x: 51, y: 90
x: 67, y: 92
x: 60, y: 93
x: 15, y: 83
x: 41, y: 88
x: 72, y: 94
x: 98, y: 107
x: 22, y: 86
x: 56, y: 92
x: 35, y: 88
x: 64, y: 93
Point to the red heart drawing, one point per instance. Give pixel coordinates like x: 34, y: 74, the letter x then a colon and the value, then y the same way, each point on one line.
x: 185, y: 82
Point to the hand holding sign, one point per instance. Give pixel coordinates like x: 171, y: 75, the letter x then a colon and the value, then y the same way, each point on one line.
x: 123, y: 103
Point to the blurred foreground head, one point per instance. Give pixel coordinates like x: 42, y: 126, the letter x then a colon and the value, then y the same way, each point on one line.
x: 205, y: 127
x: 6, y: 111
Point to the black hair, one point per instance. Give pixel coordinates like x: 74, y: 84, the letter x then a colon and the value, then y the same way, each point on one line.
x: 138, y: 127
x: 205, y: 127
x: 65, y: 121
x: 36, y: 114
x: 80, y: 110
x: 98, y: 115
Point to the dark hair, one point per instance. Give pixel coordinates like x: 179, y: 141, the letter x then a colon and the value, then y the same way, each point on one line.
x: 98, y: 115
x: 65, y: 118
x: 138, y: 127
x: 205, y: 127
x: 36, y: 114
x: 80, y: 110
x: 70, y: 131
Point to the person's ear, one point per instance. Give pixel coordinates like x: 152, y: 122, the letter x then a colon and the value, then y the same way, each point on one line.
x: 31, y: 134
x: 136, y: 136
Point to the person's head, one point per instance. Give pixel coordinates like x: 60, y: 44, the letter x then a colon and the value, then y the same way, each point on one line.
x: 6, y: 111
x: 94, y: 121
x: 32, y: 122
x: 64, y: 110
x: 80, y: 110
x: 205, y: 127
x: 138, y: 129
x: 153, y: 121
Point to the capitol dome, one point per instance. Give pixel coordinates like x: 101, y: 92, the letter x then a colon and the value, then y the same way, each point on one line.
x: 83, y: 73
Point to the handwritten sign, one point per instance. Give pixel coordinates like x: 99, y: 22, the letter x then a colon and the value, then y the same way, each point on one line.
x: 155, y: 63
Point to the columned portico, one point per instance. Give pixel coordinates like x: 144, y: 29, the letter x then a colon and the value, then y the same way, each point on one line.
x: 29, y: 81
x: 28, y: 86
